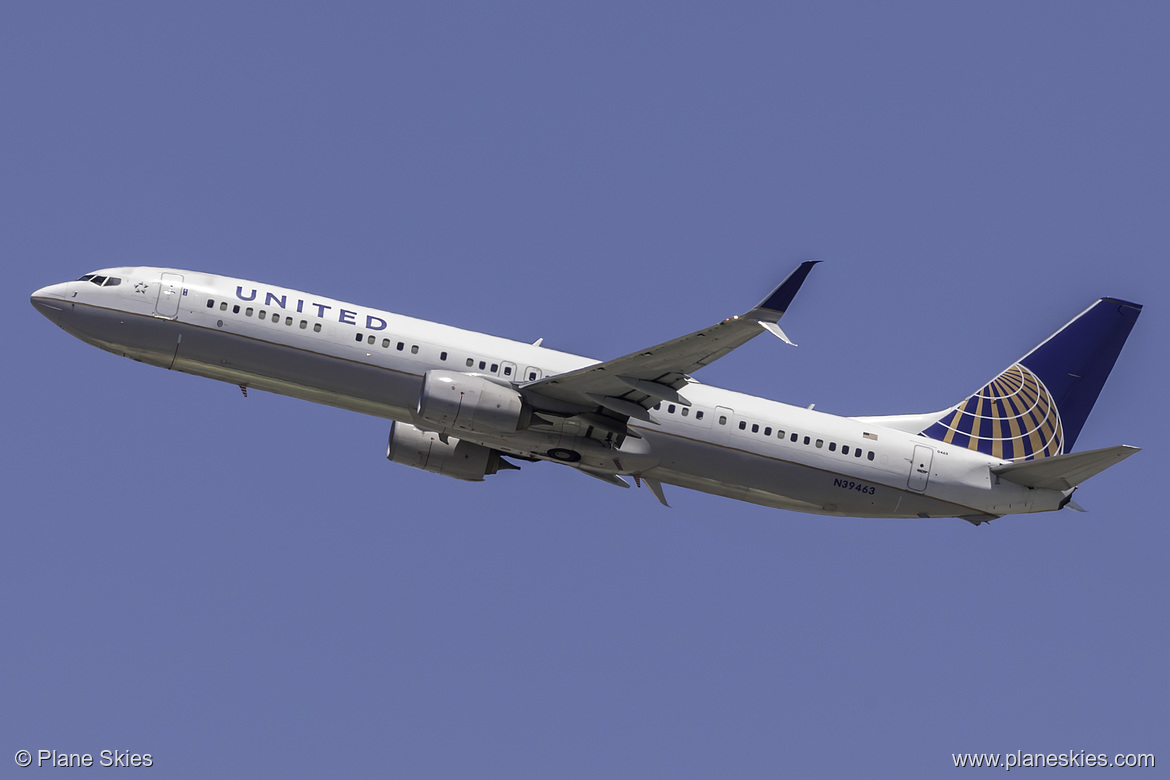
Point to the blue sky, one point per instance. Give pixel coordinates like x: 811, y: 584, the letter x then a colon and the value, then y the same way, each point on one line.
x: 245, y: 586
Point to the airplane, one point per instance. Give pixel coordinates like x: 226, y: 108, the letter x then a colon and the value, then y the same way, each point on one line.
x: 468, y: 405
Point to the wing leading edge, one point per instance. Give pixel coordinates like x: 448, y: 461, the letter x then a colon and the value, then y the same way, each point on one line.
x: 628, y: 386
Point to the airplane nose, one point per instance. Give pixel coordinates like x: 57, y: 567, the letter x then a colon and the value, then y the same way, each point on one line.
x: 50, y: 301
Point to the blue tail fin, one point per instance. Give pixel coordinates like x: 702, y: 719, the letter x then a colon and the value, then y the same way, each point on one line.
x: 1037, y: 407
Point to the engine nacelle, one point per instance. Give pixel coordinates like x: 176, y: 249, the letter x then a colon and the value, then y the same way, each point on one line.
x: 424, y: 450
x: 451, y: 400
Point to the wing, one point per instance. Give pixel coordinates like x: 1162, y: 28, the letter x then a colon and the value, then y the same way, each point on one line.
x: 618, y: 389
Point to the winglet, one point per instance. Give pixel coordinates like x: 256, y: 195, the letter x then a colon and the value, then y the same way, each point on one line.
x: 773, y: 307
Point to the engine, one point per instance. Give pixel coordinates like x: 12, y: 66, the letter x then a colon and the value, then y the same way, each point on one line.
x: 451, y: 400
x: 424, y: 450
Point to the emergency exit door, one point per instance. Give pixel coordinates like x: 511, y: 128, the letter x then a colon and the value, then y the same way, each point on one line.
x: 920, y: 468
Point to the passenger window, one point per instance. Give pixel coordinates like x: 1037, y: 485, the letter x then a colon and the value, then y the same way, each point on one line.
x: 470, y: 362
x: 507, y: 369
x: 385, y: 343
x: 670, y: 409
x: 482, y: 365
x: 870, y: 455
x: 768, y: 431
x: 316, y: 327
x: 263, y: 314
x: 779, y: 434
x: 358, y: 338
x: 288, y: 321
x: 495, y: 366
x: 723, y: 419
x: 531, y: 374
x: 304, y: 324
x: 236, y: 309
x: 807, y: 441
x: 794, y: 437
x: 657, y: 406
x: 832, y: 446
x: 699, y: 415
x: 844, y: 449
x: 414, y: 350
x: 820, y: 443
x: 210, y: 303
x: 857, y: 452
x: 742, y: 425
x: 370, y: 339
x: 685, y: 411
x: 248, y: 312
x: 401, y: 346
x: 223, y: 306
x: 442, y: 356
x: 755, y: 428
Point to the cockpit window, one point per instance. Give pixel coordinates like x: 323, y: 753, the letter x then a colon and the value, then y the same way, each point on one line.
x: 101, y: 281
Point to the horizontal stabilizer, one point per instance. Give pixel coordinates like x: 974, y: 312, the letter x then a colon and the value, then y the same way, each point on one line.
x: 1063, y: 472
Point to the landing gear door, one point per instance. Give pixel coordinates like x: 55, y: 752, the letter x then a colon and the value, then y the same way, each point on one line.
x: 920, y: 468
x: 170, y: 289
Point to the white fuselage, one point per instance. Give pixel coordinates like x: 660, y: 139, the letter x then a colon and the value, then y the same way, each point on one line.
x: 373, y: 361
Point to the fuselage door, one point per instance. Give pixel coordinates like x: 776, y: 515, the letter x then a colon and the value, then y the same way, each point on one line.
x: 170, y: 289
x: 920, y: 468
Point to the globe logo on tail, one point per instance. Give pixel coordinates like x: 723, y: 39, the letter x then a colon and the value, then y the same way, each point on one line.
x: 1013, y: 418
